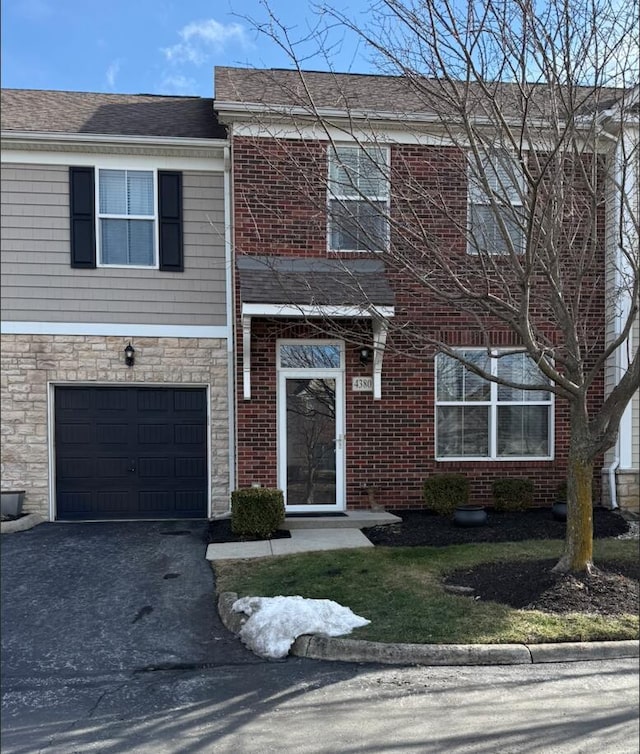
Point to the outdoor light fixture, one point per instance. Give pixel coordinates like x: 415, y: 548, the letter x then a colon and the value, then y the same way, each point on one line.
x: 129, y: 354
x: 365, y: 355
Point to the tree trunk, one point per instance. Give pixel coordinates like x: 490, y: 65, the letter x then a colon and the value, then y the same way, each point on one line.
x: 578, y: 549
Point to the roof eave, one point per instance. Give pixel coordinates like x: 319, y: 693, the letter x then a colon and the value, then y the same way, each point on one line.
x: 10, y: 137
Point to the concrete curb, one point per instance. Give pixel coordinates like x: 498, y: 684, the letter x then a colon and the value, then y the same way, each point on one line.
x: 21, y: 524
x: 357, y: 650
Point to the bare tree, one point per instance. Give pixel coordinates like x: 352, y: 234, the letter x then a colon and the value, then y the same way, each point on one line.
x: 532, y: 107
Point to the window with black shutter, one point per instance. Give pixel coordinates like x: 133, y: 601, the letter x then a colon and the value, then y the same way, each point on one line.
x: 121, y: 230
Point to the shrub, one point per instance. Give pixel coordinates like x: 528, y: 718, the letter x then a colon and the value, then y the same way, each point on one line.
x: 256, y: 511
x: 512, y: 494
x: 444, y: 492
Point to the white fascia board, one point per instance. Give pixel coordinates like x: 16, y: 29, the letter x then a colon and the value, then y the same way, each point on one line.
x: 314, y: 311
x: 115, y: 329
x: 412, y: 134
x: 132, y: 159
x: 47, y: 137
x: 65, y: 149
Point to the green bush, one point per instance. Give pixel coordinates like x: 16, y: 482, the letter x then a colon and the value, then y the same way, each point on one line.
x: 561, y: 493
x: 256, y: 511
x: 512, y: 494
x: 444, y: 492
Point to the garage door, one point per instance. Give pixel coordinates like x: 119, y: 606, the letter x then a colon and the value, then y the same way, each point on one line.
x: 130, y: 452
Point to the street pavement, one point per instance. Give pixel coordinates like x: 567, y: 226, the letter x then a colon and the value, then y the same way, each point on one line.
x: 111, y: 643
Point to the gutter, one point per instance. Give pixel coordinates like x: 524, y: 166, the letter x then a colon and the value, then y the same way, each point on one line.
x: 48, y: 137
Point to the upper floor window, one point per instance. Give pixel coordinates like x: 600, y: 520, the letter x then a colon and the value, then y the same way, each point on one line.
x: 127, y: 217
x: 496, y: 191
x: 358, y: 198
x: 481, y: 419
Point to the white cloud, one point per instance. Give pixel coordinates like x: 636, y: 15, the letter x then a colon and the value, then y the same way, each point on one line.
x: 200, y: 39
x: 112, y: 72
x: 179, y: 85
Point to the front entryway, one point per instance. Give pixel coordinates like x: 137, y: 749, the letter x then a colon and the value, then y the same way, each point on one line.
x: 311, y: 425
x: 130, y: 452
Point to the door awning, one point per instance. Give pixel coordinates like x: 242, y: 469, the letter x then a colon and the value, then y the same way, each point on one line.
x: 272, y: 286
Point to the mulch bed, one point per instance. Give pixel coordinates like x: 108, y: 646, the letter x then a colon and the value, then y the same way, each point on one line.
x: 611, y: 589
x: 220, y: 531
x: 424, y: 528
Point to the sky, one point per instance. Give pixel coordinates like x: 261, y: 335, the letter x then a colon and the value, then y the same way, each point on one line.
x: 153, y: 46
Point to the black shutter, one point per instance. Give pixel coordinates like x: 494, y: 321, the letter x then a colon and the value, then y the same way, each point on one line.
x: 82, y: 216
x: 170, y: 220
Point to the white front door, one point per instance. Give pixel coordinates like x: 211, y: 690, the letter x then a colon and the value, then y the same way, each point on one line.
x: 311, y: 425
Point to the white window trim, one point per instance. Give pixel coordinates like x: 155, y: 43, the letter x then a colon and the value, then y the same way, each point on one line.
x: 338, y: 373
x: 386, y: 198
x: 155, y: 219
x: 493, y: 405
x: 517, y: 202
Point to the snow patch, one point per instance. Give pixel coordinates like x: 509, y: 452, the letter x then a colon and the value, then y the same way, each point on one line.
x: 274, y: 623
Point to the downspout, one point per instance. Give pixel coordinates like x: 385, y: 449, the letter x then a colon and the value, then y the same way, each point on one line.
x: 230, y: 285
x: 613, y: 467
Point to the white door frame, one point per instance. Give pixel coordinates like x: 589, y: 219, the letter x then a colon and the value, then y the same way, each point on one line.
x: 336, y: 374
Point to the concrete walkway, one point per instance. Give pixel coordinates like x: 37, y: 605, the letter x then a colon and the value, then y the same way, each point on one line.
x: 301, y: 540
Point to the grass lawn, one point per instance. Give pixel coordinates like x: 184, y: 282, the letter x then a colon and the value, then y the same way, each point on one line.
x: 398, y: 589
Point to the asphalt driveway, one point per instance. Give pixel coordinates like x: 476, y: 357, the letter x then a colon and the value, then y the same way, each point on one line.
x: 110, y: 597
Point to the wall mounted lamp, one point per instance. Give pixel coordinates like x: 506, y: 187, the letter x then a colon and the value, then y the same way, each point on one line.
x: 365, y: 355
x: 129, y: 354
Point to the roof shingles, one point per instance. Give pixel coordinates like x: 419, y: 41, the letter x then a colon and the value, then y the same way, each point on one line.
x: 46, y: 111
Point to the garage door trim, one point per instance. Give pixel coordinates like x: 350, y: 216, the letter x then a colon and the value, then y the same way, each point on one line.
x: 51, y: 429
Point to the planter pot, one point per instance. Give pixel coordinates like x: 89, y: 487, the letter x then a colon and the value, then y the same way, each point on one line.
x: 470, y: 515
x: 11, y: 502
x: 559, y: 511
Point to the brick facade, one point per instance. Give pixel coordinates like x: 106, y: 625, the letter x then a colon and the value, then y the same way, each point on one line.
x: 30, y: 363
x: 279, y: 203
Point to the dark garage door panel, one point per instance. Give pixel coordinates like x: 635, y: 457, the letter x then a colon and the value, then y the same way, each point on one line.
x: 130, y: 452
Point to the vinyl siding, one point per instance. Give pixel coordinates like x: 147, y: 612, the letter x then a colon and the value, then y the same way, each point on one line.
x: 38, y: 284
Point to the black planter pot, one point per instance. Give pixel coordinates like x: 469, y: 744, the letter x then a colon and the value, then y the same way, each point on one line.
x: 11, y: 502
x: 470, y: 515
x: 559, y: 510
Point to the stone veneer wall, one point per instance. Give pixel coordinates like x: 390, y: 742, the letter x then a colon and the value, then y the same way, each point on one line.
x: 30, y: 362
x: 628, y: 489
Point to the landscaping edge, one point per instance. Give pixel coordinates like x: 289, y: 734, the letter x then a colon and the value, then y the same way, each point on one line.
x: 21, y: 524
x: 357, y: 650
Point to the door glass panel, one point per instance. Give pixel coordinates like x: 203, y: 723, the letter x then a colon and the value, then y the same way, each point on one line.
x: 310, y: 356
x: 311, y: 441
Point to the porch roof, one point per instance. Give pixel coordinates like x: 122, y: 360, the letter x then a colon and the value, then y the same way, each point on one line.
x: 312, y: 281
x: 318, y: 288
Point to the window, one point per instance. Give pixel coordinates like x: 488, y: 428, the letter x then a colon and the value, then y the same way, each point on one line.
x: 127, y: 218
x: 495, y: 192
x: 358, y: 198
x: 479, y: 419
x: 133, y: 219
x: 310, y: 356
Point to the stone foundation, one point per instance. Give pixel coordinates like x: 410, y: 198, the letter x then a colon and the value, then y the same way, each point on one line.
x: 30, y: 363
